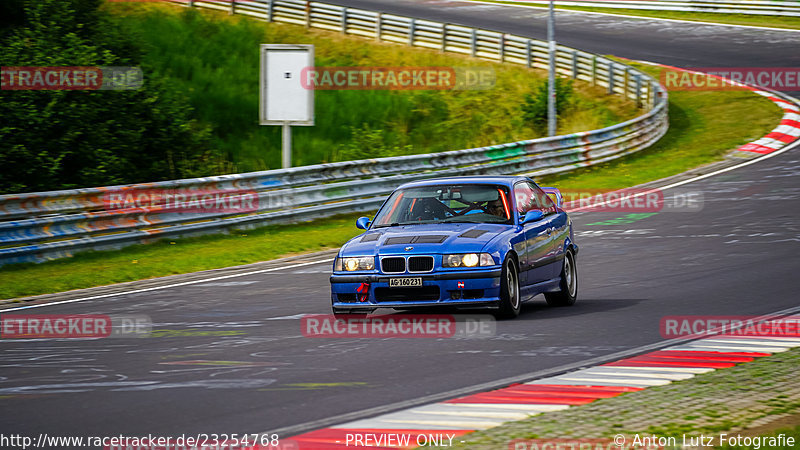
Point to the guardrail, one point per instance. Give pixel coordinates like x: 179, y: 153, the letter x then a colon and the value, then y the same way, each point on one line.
x: 758, y: 7
x: 47, y: 225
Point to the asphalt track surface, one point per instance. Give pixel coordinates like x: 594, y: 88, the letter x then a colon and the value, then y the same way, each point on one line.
x: 231, y: 357
x: 674, y: 43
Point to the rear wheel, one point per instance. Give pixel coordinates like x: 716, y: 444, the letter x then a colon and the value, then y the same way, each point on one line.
x: 569, y: 284
x: 510, y: 304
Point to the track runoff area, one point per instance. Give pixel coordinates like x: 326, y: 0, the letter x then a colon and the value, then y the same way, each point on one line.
x: 704, y: 345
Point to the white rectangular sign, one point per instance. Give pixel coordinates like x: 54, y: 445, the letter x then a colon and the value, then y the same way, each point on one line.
x: 284, y: 99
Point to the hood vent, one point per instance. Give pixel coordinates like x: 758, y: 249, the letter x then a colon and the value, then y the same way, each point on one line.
x: 370, y: 237
x: 429, y: 239
x: 435, y: 239
x: 473, y: 233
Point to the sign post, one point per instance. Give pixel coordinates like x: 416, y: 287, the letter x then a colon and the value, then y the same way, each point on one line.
x: 551, y: 72
x: 284, y: 100
x: 286, y: 154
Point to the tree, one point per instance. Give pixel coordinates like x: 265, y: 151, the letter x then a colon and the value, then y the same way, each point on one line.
x: 69, y: 139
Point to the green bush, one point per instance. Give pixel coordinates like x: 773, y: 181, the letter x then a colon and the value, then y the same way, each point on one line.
x: 368, y: 143
x: 213, y: 59
x: 70, y: 139
x: 535, y: 107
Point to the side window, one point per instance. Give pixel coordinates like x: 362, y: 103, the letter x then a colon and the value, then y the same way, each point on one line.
x: 529, y: 197
x: 546, y: 203
x: 524, y: 198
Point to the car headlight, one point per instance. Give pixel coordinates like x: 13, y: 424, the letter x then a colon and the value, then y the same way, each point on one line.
x: 353, y: 264
x: 468, y: 260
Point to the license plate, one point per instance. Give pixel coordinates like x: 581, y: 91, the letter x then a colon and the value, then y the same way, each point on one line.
x: 405, y: 282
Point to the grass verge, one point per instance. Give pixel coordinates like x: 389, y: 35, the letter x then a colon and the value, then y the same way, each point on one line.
x: 703, y: 127
x: 791, y: 23
x: 764, y: 391
x: 176, y: 256
x: 212, y: 59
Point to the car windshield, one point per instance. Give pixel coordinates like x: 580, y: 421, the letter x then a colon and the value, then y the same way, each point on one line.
x: 468, y: 203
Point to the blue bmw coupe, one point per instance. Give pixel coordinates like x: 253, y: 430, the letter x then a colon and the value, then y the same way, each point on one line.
x: 488, y: 242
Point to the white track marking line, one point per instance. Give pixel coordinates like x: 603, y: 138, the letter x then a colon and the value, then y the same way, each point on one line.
x: 663, y: 188
x: 634, y: 373
x: 759, y: 339
x: 384, y: 422
x: 157, y: 288
x: 754, y: 344
x: 539, y: 378
x: 700, y: 177
x: 688, y: 370
x: 544, y: 8
x: 448, y: 409
x: 474, y: 413
x: 734, y: 343
x: 369, y: 424
x: 560, y: 380
x: 722, y: 348
x: 465, y: 424
x: 651, y: 381
x: 533, y: 407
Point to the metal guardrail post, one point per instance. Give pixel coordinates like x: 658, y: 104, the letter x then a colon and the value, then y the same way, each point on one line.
x: 474, y: 43
x: 638, y: 90
x: 574, y: 64
x: 611, y: 78
x: 528, y: 53
x: 652, y: 94
x: 233, y: 8
x: 60, y: 223
x: 501, y: 47
x: 627, y: 83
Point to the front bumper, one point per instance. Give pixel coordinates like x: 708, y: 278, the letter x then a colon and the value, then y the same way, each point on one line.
x: 466, y: 288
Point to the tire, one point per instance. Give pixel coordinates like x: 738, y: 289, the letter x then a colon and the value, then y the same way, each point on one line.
x: 568, y: 292
x: 510, y: 302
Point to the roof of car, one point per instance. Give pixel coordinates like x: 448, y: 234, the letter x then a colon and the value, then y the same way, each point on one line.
x: 505, y: 180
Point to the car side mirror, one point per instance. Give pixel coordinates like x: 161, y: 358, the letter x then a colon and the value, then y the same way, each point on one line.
x: 555, y: 195
x: 532, y: 216
x: 363, y: 223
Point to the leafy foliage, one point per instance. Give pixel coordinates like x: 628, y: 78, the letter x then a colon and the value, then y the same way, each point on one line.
x: 368, y: 143
x: 69, y: 139
x: 213, y: 59
x: 535, y: 107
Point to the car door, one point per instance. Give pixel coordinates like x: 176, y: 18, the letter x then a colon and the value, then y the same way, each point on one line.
x: 537, y: 246
x: 557, y: 230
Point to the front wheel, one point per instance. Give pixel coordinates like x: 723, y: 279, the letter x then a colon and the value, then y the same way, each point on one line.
x: 509, y: 291
x: 568, y: 292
